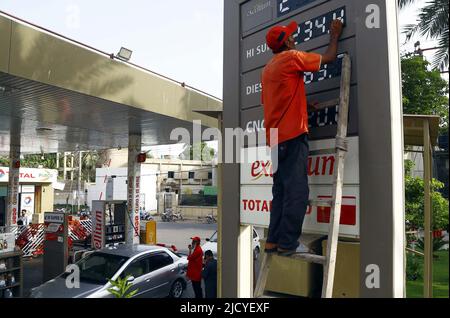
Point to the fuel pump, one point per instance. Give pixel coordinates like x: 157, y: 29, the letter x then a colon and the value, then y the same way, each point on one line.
x: 108, y: 223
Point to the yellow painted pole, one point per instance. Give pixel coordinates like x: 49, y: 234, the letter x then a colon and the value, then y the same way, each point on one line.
x: 150, y: 233
x: 428, y: 240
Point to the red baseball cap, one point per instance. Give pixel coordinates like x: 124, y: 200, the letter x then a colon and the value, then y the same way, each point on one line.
x: 195, y: 238
x: 279, y: 34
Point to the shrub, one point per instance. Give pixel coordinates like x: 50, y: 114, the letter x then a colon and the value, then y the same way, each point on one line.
x: 413, y: 267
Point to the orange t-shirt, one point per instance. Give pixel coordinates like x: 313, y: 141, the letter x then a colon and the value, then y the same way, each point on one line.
x: 283, y: 94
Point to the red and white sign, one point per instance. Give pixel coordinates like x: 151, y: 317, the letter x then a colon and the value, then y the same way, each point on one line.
x: 258, y: 169
x: 257, y: 181
x: 134, y: 204
x: 13, y: 190
x: 31, y: 175
x: 98, y: 224
x: 53, y: 226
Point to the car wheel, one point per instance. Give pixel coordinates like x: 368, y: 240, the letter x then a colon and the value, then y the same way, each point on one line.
x: 177, y: 289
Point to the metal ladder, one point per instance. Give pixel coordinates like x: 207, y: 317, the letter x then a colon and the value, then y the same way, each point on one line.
x: 328, y: 261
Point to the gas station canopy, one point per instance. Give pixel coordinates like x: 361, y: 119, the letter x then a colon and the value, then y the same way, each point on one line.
x: 57, y: 95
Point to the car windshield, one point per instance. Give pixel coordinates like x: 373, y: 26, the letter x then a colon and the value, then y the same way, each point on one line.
x: 99, y: 268
x: 213, y: 237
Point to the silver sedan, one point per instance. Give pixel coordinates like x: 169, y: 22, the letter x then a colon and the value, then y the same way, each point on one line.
x: 155, y: 272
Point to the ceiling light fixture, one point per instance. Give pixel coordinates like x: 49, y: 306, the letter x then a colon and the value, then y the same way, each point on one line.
x: 124, y: 54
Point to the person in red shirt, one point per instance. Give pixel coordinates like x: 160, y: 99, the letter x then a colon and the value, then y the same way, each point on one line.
x: 195, y: 266
x: 286, y: 123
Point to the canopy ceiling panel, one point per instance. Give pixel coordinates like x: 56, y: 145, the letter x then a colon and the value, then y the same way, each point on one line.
x: 56, y: 95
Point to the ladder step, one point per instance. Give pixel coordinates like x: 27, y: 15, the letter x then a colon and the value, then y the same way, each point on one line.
x: 327, y: 104
x: 310, y: 258
x: 322, y: 203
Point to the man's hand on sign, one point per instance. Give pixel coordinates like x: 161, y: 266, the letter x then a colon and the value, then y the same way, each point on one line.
x: 335, y: 32
x: 336, y: 28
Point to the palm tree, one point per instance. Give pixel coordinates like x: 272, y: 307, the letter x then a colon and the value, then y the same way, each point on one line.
x: 90, y: 162
x: 432, y: 23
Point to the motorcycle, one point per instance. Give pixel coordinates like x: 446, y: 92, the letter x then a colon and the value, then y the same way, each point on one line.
x: 210, y: 219
x: 145, y: 216
x: 166, y: 216
x: 169, y: 216
x: 177, y: 217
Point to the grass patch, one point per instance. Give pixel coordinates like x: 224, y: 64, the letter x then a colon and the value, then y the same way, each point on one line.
x: 414, y: 289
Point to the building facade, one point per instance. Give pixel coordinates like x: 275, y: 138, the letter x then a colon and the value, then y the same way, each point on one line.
x: 36, y: 192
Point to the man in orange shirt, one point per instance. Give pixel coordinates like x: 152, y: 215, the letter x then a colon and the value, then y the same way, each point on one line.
x: 286, y: 123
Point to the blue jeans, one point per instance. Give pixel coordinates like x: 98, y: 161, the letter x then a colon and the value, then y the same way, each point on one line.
x: 290, y: 192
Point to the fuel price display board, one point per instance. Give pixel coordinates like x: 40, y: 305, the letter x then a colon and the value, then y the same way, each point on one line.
x: 286, y: 6
x: 312, y: 35
x: 373, y: 181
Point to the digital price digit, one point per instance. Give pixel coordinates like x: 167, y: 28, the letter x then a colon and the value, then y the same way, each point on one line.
x: 323, y: 73
x: 309, y: 78
x: 324, y: 117
x: 327, y: 71
x: 308, y: 31
x: 340, y: 14
x: 286, y: 6
x: 318, y: 26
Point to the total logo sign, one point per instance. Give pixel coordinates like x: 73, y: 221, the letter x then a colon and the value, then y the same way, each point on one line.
x: 257, y: 180
x: 28, y: 200
x: 30, y: 175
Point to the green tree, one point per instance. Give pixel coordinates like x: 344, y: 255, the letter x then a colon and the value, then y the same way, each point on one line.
x: 432, y: 23
x: 47, y: 161
x: 414, y: 195
x: 90, y: 161
x: 199, y: 151
x: 4, y: 161
x: 424, y: 92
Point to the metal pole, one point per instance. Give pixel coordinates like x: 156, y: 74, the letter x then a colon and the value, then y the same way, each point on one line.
x: 80, y: 163
x: 428, y: 249
x: 132, y: 221
x: 219, y: 209
x: 12, y: 212
x: 65, y: 166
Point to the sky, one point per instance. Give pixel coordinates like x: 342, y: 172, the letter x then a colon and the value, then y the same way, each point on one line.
x: 178, y: 38
x: 182, y: 39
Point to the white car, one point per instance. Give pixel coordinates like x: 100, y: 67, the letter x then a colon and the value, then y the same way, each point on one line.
x: 153, y: 271
x: 211, y: 244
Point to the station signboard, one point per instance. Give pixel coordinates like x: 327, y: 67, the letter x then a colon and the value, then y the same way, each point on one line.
x: 257, y: 181
x: 373, y: 200
x: 314, y: 19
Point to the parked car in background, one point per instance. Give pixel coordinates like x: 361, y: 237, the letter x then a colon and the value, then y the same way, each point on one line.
x: 211, y: 244
x: 155, y: 271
